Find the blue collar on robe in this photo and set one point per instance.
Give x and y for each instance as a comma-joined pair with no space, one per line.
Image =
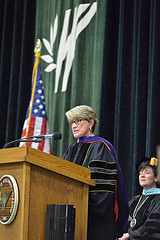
90,139
151,191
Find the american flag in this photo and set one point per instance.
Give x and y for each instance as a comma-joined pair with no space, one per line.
36,118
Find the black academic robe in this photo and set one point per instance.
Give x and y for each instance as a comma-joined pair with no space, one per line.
101,161
147,218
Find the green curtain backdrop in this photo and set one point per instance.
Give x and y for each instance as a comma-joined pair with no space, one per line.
72,36
104,53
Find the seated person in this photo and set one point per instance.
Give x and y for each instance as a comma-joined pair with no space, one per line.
144,217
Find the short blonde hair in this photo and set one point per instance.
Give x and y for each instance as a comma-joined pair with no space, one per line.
82,111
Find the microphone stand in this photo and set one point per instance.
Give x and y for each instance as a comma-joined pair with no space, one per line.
22,140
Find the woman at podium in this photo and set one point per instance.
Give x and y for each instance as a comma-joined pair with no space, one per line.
108,204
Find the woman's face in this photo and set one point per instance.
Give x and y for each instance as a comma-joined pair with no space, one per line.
147,178
81,127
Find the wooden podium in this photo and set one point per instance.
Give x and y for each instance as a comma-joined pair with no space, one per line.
43,179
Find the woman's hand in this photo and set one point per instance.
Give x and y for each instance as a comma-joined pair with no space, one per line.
124,237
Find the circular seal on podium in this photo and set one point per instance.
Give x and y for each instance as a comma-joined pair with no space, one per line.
9,198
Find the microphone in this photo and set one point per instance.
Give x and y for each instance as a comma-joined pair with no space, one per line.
36,139
54,136
20,140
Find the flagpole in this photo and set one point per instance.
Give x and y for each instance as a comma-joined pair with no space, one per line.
37,52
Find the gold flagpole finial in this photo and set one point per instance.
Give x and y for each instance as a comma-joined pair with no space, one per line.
38,46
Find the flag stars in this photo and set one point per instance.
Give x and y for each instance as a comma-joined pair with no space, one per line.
39,91
39,100
40,106
35,110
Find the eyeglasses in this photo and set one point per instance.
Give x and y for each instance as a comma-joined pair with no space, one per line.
78,121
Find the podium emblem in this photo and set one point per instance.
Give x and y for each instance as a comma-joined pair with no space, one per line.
9,198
